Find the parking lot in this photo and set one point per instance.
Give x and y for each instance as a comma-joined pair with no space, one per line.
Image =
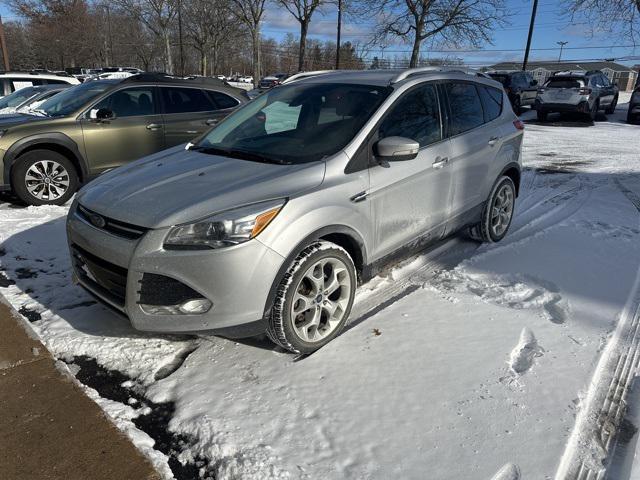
466,361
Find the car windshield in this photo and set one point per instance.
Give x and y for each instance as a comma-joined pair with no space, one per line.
295,124
503,79
73,98
18,97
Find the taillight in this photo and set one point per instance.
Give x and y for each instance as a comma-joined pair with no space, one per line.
519,124
584,91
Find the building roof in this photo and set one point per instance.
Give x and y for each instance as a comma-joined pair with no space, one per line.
564,66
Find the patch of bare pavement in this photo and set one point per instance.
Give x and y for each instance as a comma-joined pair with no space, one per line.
50,429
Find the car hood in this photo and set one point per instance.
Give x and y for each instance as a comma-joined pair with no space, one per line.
178,186
13,119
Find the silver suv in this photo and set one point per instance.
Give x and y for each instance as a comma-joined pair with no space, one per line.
577,92
269,221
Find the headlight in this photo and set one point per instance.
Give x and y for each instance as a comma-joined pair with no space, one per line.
226,228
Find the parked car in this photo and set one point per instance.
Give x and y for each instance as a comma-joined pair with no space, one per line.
271,81
633,115
101,124
267,222
12,81
521,88
26,100
577,92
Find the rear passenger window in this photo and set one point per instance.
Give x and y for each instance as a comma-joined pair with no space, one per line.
416,116
491,102
466,108
222,100
19,83
185,100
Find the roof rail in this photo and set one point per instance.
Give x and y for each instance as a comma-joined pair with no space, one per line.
302,75
160,77
410,72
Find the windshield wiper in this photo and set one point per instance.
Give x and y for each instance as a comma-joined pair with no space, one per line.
38,111
239,154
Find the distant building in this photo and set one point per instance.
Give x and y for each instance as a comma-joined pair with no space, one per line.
624,76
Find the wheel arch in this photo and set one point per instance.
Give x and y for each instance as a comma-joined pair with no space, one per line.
342,235
514,172
57,142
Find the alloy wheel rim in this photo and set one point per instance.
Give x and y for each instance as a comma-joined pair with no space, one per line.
320,300
47,180
502,210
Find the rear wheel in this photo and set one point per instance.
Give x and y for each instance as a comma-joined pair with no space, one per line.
612,108
631,119
517,105
44,177
314,298
498,212
593,113
542,115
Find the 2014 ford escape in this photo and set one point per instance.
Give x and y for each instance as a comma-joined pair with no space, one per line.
267,222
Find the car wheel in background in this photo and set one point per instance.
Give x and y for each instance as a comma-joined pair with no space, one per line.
542,115
612,108
44,177
593,113
497,213
517,105
314,299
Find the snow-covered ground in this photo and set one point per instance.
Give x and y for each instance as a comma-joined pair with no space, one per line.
476,361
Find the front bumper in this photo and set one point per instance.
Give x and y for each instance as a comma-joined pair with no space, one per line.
236,280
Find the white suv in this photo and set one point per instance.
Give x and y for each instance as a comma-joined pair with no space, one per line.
12,81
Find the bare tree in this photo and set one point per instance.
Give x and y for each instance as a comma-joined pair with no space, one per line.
610,15
157,16
209,24
302,11
250,13
453,22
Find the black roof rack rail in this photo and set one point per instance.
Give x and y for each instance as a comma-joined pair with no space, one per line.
166,78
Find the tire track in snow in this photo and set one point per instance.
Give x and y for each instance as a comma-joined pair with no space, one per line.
588,452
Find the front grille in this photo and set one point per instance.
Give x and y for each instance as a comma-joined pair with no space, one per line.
116,227
105,278
160,290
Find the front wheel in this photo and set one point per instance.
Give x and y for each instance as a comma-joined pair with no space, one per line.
314,299
542,115
497,213
517,106
612,108
44,177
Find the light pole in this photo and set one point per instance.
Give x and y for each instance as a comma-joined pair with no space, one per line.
531,25
339,31
562,44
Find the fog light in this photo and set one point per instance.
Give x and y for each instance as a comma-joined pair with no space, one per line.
197,306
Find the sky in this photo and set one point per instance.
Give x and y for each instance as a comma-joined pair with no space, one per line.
508,42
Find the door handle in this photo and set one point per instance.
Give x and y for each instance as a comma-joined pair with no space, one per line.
440,162
359,197
154,126
211,121
492,141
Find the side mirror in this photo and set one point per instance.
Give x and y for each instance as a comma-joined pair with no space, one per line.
101,114
394,149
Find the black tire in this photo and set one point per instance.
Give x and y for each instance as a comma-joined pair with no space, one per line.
280,329
30,159
517,105
483,231
593,113
611,109
631,119
542,115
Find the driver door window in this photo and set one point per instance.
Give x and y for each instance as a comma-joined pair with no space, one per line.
131,102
